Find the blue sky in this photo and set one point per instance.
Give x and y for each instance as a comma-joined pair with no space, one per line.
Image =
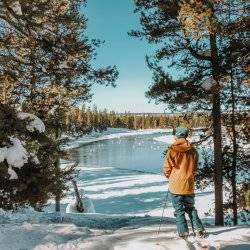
110,20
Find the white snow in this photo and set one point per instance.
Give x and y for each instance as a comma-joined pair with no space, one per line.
15,155
138,234
35,123
3,153
112,133
130,193
124,187
169,139
12,173
87,204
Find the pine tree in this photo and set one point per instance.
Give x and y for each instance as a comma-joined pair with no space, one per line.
235,101
28,175
47,57
194,39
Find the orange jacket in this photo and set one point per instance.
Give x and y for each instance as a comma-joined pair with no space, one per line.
180,165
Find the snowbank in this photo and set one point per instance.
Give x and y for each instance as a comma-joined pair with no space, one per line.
112,133
195,137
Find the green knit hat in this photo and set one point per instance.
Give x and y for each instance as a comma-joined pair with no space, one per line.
181,132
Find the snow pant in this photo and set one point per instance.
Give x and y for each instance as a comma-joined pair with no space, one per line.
185,204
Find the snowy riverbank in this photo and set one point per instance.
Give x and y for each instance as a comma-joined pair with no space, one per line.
111,133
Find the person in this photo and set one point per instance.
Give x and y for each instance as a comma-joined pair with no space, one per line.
180,165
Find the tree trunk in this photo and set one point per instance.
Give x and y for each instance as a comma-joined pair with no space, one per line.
216,117
79,204
57,204
218,179
235,149
234,191
58,196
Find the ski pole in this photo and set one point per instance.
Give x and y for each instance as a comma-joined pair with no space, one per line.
166,199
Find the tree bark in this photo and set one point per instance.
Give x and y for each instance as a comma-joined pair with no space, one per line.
58,196
217,138
218,179
235,148
57,204
79,204
234,161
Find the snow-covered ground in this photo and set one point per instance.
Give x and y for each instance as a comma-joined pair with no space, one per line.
132,193
130,234
129,207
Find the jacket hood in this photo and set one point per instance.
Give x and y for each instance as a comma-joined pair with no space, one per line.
182,145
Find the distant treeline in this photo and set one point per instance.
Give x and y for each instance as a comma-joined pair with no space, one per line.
99,120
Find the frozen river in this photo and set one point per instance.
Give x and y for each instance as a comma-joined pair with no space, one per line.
140,152
123,175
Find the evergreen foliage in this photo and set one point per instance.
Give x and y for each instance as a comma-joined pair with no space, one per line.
38,179
78,119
